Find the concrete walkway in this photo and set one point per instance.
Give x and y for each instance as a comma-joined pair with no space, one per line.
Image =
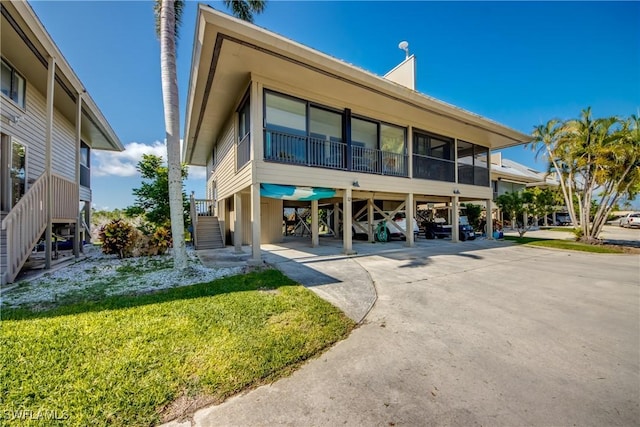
473,333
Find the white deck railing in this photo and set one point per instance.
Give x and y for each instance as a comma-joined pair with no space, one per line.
28,218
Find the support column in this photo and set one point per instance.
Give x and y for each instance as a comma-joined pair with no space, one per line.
237,225
315,230
336,220
455,220
51,74
76,233
347,214
256,226
409,210
370,220
87,218
489,230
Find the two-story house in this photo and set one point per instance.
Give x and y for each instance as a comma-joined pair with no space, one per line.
48,127
273,120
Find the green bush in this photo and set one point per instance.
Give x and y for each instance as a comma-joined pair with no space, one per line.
118,237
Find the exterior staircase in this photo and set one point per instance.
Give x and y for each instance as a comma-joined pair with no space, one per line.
208,234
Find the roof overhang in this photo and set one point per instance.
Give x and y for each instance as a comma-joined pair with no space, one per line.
28,46
227,52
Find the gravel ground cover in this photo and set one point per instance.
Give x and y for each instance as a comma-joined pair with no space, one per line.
99,275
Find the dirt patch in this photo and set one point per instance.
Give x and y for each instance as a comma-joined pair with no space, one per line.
184,407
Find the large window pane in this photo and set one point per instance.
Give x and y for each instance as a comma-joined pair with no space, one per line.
465,153
5,80
18,87
420,144
480,156
244,120
392,139
18,172
325,124
364,133
441,148
286,114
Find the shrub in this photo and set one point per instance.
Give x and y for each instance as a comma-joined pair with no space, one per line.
118,237
162,240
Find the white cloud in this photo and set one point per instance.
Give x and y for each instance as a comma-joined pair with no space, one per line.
124,163
197,172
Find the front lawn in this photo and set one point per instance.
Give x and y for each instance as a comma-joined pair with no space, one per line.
565,244
140,360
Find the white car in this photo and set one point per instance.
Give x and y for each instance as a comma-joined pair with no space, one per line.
630,220
399,218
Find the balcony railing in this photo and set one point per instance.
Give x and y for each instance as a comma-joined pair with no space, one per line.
244,151
317,152
427,167
473,175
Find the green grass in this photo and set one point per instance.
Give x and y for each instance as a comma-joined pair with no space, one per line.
124,360
565,244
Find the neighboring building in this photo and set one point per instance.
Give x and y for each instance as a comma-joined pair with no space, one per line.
508,176
274,122
48,126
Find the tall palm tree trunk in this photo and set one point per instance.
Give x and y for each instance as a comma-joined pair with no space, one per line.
172,128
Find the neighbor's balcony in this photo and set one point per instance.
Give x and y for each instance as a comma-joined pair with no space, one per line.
331,154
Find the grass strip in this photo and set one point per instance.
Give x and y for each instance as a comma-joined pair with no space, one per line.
141,360
564,244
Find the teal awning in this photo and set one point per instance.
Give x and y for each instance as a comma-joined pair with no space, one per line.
292,192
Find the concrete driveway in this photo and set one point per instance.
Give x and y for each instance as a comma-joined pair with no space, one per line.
473,333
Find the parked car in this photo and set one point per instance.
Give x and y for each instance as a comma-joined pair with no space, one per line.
630,220
438,228
399,218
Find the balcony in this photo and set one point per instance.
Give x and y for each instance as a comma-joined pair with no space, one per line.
331,154
427,167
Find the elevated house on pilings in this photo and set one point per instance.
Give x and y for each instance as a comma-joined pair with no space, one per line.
48,127
277,124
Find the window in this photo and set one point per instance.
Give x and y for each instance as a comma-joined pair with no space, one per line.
364,133
243,153
324,124
285,114
18,171
85,165
392,139
436,146
433,157
472,164
12,84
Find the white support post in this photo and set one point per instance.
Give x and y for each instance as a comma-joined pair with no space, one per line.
410,151
347,244
315,229
370,220
455,220
256,233
237,226
489,230
76,233
336,220
409,211
51,74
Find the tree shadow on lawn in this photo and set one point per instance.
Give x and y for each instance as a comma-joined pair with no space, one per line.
267,280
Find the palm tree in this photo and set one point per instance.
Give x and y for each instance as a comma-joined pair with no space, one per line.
168,17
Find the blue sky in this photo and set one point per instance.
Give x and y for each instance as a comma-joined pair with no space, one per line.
519,63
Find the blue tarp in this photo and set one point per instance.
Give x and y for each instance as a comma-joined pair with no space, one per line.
291,192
